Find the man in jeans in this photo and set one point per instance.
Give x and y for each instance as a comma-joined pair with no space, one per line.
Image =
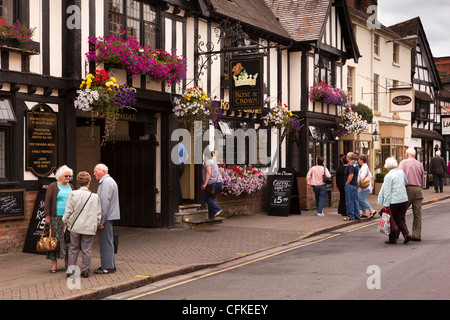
351,188
415,174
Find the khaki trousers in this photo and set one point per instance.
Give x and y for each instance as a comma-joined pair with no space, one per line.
415,198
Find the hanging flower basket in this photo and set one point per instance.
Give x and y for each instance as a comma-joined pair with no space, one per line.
328,94
239,180
196,105
351,123
282,118
100,95
129,55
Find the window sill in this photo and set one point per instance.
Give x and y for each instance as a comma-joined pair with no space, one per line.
396,64
13,45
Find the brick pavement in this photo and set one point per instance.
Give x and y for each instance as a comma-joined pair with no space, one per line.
148,255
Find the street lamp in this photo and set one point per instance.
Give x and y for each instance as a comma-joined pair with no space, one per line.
376,134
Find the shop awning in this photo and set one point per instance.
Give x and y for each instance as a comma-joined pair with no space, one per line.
422,95
426,134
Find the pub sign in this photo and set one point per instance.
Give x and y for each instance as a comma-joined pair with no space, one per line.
41,140
246,83
445,125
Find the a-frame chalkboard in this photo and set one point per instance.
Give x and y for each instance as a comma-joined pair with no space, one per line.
283,193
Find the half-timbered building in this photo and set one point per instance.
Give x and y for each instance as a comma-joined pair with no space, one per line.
426,82
323,42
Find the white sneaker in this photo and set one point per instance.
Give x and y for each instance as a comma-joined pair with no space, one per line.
321,214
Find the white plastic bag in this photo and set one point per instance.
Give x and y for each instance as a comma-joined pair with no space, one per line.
384,226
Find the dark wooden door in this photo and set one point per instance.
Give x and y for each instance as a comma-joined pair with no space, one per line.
133,165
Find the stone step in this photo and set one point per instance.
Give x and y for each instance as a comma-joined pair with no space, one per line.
193,218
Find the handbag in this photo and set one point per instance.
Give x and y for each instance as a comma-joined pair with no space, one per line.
325,179
47,244
364,183
67,231
387,223
209,190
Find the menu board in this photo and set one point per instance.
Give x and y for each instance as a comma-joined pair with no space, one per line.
37,220
283,193
41,140
11,203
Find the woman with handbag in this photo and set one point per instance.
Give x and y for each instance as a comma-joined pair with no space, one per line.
213,183
55,205
393,195
82,218
317,178
365,188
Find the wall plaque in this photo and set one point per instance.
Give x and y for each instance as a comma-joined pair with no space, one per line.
41,140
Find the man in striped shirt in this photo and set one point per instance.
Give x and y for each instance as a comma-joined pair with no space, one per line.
415,174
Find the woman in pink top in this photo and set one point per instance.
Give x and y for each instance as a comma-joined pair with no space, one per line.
314,178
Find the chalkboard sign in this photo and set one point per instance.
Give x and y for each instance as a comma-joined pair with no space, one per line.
37,220
11,203
283,193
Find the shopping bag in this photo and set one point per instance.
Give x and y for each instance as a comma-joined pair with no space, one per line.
384,226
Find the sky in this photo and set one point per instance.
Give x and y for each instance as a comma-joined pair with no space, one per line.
434,14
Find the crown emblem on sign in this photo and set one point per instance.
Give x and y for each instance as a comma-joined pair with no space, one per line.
245,80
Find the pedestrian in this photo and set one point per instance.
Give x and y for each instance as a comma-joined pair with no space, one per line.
415,173
82,218
351,188
448,169
55,205
438,169
182,158
212,180
314,178
363,192
108,193
340,183
393,195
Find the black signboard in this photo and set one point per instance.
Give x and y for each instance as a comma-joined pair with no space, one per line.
283,193
41,143
246,83
11,203
37,220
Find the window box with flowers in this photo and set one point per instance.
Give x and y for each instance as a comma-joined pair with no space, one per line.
129,55
283,119
18,38
196,105
240,180
100,95
328,94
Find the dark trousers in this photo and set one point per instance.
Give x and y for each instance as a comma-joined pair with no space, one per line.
180,174
398,211
342,209
438,182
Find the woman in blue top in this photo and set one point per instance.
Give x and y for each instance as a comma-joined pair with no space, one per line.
393,194
55,206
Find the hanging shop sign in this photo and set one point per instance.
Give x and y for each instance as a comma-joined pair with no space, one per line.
445,125
41,140
246,83
402,100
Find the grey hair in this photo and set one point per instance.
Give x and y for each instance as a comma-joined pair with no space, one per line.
351,155
391,163
62,170
103,167
411,151
438,153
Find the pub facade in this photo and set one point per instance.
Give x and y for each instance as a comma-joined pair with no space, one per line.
41,130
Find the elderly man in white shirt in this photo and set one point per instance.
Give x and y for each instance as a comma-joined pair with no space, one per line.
108,192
